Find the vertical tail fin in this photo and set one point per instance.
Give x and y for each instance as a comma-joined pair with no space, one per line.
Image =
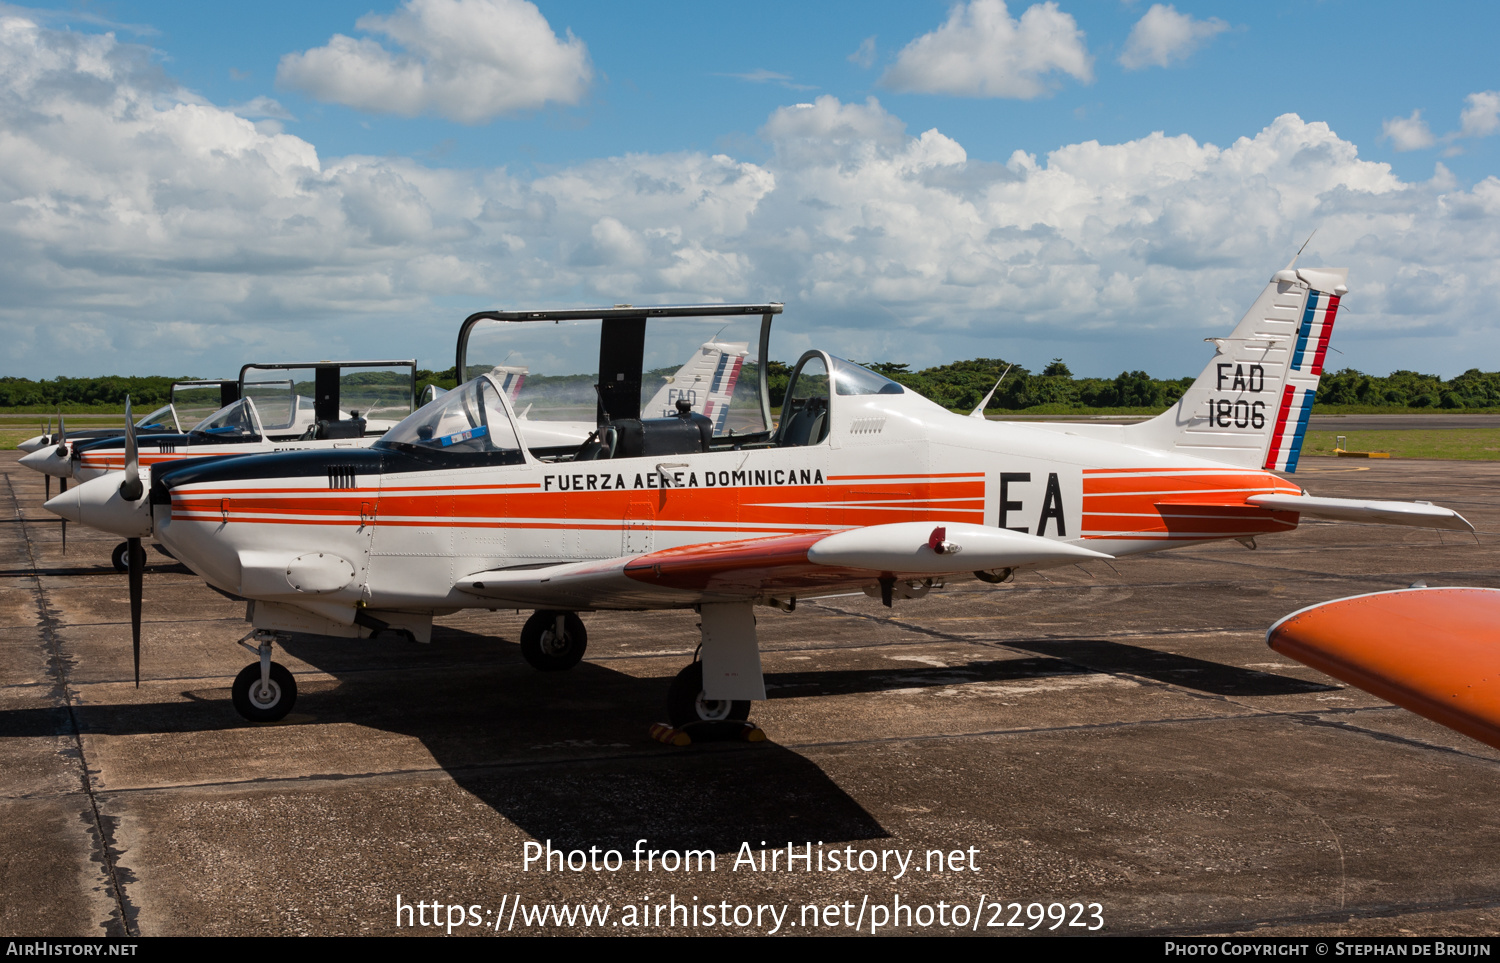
511,379
706,382
1251,404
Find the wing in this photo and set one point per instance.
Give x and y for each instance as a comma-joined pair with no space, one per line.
1429,650
783,565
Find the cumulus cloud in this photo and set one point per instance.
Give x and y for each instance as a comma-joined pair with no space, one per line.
162,233
263,107
1407,133
761,75
982,52
1481,117
467,60
1163,35
864,54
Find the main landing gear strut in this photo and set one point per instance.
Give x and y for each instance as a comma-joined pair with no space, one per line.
264,691
728,665
554,641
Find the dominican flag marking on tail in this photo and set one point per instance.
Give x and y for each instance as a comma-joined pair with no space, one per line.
721,391
1301,389
1317,328
511,379
727,375
1291,423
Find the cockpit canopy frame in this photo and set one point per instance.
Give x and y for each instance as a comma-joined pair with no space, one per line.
328,398
622,341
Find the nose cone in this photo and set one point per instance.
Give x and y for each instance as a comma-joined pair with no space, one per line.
34,442
97,503
47,461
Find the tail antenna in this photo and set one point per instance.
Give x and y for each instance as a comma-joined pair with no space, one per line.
1293,263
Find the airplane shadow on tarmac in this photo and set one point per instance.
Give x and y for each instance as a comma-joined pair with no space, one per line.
565,757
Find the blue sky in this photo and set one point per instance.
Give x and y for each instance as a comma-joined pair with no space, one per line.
669,76
968,179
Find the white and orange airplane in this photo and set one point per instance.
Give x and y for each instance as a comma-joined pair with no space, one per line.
860,484
284,420
182,396
281,419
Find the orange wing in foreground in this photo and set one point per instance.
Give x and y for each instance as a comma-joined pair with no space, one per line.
1434,651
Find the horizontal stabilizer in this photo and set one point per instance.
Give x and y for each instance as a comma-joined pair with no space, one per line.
1430,650
1417,514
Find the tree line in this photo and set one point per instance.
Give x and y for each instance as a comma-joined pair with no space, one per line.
959,385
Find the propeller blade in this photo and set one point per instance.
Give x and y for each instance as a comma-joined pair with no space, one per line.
62,483
131,487
47,487
137,556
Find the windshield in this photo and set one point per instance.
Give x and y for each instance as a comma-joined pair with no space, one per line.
195,401
238,421
852,379
470,418
277,403
164,418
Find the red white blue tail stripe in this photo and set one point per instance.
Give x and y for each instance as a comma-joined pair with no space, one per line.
514,379
721,391
1301,389
1316,329
1291,424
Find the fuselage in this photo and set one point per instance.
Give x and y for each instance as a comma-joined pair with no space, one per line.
409,527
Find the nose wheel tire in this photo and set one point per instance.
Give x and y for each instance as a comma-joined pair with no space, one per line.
268,704
549,650
686,704
120,557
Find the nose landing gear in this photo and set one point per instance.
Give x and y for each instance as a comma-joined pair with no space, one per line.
264,691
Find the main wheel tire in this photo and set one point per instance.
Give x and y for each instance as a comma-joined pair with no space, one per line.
544,650
120,557
257,707
686,704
